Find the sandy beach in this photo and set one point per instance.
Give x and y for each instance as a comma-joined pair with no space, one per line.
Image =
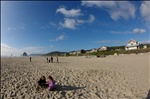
113,77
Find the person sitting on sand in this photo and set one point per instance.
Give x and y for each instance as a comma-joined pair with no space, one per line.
51,84
42,82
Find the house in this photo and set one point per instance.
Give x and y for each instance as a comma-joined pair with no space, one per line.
72,52
145,46
78,52
88,51
132,44
91,50
103,48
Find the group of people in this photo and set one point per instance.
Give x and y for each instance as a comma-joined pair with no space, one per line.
50,84
50,59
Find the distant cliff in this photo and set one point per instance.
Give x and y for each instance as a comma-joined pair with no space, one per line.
55,53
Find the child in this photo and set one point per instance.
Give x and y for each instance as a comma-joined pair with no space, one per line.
42,82
51,84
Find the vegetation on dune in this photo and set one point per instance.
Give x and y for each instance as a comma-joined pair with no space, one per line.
110,51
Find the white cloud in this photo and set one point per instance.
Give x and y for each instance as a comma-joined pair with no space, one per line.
145,42
121,32
14,29
52,24
59,38
69,13
72,23
116,9
137,30
91,19
110,41
71,19
11,29
145,12
68,23
99,3
7,50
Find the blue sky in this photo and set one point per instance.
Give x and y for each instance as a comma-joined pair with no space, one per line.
45,26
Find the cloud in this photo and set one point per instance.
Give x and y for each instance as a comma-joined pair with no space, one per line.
144,10
72,23
99,3
59,38
14,29
69,13
91,19
137,30
52,24
145,42
11,29
116,9
68,23
72,19
110,41
121,32
7,50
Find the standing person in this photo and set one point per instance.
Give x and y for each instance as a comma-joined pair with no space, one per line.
47,59
51,83
51,59
30,59
57,59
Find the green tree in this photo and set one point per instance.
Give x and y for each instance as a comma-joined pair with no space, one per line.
83,51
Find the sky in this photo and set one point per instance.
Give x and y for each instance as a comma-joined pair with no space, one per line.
39,27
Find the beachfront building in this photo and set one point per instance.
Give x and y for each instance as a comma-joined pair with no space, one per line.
72,52
145,46
78,52
103,48
132,44
91,51
88,51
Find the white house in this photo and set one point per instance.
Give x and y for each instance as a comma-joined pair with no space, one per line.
73,52
93,50
103,48
131,45
88,51
78,52
145,46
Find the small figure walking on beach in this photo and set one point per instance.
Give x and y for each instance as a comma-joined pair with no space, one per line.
51,59
30,59
57,59
47,59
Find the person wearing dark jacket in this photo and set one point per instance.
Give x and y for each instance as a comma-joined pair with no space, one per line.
42,82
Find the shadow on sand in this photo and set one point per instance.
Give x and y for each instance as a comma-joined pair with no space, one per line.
67,88
148,95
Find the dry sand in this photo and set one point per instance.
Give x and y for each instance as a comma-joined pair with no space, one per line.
113,77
